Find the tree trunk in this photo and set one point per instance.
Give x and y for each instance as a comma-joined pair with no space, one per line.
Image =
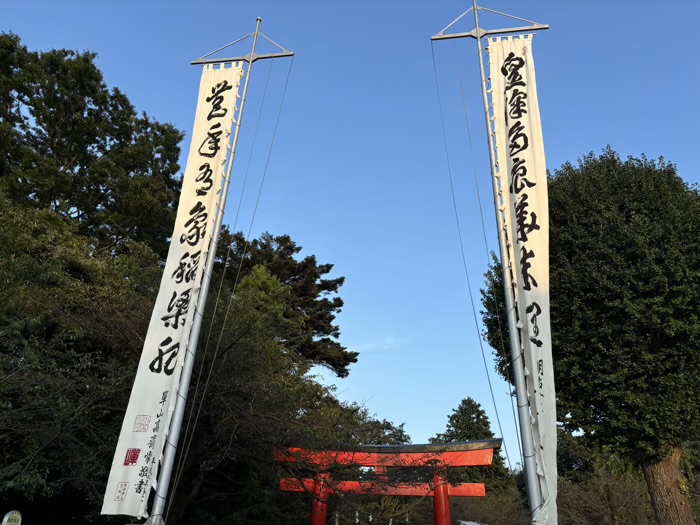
613,508
668,491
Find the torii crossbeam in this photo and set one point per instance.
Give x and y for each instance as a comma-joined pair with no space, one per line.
438,456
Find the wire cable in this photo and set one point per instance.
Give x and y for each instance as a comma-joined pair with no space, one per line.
216,350
486,242
461,245
197,393
187,440
255,210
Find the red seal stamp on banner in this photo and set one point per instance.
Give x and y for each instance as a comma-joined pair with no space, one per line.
132,457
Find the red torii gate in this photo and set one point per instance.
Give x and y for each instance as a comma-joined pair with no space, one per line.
439,456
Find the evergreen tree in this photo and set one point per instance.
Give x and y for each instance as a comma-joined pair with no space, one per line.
469,422
313,302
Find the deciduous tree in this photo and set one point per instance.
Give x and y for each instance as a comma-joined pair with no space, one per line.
71,330
625,289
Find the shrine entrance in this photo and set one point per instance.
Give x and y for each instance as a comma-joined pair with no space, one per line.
438,457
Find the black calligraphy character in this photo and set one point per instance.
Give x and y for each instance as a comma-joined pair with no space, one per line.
204,177
197,225
138,488
163,398
148,457
518,176
152,441
212,143
511,70
143,472
523,227
525,265
517,104
160,363
187,268
217,99
534,307
177,309
517,140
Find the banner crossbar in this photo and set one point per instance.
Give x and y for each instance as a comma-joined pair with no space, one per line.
480,33
251,57
248,58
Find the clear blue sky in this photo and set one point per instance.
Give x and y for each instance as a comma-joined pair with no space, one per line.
358,174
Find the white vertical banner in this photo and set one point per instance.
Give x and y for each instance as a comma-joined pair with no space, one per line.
521,160
147,419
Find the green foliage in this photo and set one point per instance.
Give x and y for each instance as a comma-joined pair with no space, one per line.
70,332
494,318
261,397
313,304
469,422
72,322
624,288
87,200
625,258
70,145
625,285
502,507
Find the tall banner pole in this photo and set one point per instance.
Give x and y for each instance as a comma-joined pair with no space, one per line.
508,214
152,402
179,412
153,417
501,205
520,152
